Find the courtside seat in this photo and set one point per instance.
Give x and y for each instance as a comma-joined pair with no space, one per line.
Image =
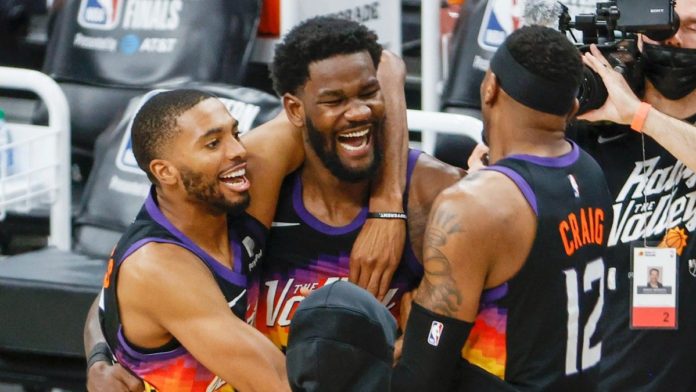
49,291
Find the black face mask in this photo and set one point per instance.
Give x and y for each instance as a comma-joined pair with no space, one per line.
671,70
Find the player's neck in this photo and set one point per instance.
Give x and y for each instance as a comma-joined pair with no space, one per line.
681,108
529,135
207,230
331,200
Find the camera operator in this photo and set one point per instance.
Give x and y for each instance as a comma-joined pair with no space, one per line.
648,154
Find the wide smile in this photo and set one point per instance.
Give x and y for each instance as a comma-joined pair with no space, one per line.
235,178
356,142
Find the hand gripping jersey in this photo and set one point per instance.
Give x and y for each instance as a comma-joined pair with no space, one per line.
304,252
538,330
656,196
171,367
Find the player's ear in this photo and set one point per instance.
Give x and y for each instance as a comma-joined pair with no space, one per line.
164,171
490,88
294,110
574,110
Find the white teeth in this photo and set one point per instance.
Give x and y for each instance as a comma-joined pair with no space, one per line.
354,148
357,133
236,173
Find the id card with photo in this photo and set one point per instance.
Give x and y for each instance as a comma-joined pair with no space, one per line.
654,288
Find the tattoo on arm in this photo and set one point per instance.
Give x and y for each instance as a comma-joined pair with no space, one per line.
438,290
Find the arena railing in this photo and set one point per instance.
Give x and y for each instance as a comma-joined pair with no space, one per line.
431,123
41,156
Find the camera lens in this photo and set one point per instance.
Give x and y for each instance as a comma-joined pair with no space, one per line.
592,93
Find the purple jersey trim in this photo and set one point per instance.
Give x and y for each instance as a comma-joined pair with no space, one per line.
521,184
562,161
316,224
494,294
226,273
137,245
159,356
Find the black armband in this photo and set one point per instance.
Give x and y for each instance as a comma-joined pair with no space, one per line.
387,215
431,353
100,353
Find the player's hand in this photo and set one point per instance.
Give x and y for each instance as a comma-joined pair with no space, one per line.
376,254
621,103
102,377
478,158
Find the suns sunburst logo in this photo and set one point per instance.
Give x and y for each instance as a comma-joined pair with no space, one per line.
675,238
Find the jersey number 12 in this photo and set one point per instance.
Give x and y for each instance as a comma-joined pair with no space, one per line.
590,354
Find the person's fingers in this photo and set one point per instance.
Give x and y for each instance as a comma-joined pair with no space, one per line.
384,283
367,280
353,270
598,55
132,383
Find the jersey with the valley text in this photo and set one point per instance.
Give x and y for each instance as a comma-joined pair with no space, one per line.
304,252
171,367
538,330
654,196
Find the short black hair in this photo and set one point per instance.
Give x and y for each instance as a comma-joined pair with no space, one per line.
155,123
314,40
546,53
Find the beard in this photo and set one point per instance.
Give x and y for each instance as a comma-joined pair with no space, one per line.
208,193
325,148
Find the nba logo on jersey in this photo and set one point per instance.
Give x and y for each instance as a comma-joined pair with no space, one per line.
500,19
435,333
99,14
125,159
574,185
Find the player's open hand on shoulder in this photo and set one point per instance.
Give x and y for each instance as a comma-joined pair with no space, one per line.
376,254
102,377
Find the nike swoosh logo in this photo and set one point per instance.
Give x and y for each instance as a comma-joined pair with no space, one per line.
234,301
284,224
602,139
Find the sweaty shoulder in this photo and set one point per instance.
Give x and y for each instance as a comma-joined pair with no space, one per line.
496,216
159,262
430,177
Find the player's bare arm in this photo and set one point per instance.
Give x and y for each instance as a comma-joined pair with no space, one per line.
101,375
197,315
372,264
274,150
430,177
479,234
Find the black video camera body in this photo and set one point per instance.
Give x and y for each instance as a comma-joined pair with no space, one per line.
653,18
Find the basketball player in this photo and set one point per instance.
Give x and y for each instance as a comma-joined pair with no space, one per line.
325,70
174,300
516,277
269,147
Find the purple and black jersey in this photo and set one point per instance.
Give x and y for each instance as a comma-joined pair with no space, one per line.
305,252
171,367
